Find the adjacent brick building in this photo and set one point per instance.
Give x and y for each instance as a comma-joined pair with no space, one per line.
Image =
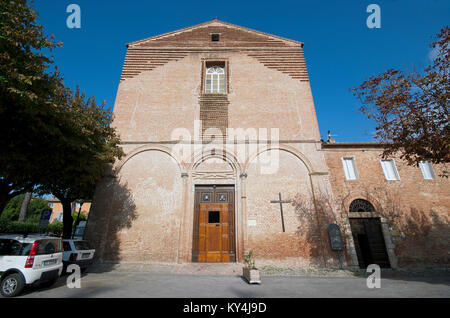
57,209
413,206
218,123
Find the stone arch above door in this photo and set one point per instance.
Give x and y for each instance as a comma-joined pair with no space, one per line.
361,205
214,166
360,195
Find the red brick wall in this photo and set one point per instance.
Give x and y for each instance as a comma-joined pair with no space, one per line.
417,210
144,213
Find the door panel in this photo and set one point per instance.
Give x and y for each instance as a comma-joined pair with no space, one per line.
213,233
213,238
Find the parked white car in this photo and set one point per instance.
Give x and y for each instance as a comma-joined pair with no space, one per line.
25,260
78,252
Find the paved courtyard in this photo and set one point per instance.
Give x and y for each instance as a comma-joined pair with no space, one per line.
185,283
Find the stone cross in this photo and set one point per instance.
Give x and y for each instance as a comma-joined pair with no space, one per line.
281,208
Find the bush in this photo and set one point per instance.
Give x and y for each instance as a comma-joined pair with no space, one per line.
55,228
14,227
82,217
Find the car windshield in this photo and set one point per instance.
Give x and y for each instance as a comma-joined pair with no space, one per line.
14,248
82,245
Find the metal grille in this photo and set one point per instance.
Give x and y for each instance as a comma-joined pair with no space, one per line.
361,205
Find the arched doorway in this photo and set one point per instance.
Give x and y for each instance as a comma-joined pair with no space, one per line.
367,235
214,220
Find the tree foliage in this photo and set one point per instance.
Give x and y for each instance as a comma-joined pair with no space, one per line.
29,120
411,109
79,163
81,217
53,140
34,211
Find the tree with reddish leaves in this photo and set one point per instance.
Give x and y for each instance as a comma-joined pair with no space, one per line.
411,109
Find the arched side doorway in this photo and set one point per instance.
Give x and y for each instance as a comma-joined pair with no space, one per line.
367,234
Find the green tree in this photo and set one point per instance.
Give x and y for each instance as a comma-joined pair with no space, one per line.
80,162
411,109
82,217
29,112
34,211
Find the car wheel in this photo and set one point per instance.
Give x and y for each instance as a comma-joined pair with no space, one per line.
12,285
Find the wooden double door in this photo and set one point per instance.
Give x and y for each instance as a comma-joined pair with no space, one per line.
214,225
369,242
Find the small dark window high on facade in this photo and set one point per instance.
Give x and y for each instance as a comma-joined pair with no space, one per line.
215,37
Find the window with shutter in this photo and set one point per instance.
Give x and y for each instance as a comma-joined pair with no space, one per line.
390,170
427,170
350,168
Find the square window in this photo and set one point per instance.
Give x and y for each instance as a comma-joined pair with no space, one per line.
350,168
213,217
390,169
427,170
215,37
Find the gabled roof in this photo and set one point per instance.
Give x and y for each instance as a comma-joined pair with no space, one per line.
215,23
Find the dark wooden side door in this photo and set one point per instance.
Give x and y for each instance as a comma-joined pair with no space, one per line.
369,242
213,239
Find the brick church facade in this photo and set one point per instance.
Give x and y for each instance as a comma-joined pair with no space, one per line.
218,125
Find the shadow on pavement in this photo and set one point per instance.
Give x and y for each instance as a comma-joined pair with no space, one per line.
39,287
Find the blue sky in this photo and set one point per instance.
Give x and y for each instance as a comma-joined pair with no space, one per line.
340,50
